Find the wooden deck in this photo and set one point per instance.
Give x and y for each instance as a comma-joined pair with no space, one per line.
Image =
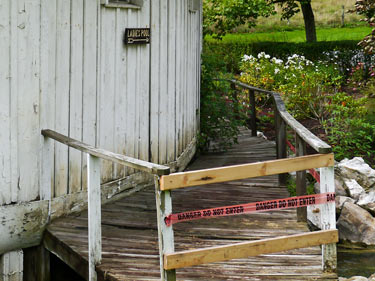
130,246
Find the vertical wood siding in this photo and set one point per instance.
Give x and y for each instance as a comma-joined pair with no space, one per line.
174,78
64,67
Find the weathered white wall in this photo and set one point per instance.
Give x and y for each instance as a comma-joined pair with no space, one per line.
63,66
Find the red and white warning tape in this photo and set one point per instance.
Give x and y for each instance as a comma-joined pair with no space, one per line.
263,206
314,173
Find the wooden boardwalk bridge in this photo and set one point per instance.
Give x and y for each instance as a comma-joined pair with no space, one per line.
133,239
130,236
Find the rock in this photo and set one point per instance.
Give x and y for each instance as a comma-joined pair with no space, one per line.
339,188
317,188
357,169
367,201
372,277
340,201
357,278
356,225
355,190
314,217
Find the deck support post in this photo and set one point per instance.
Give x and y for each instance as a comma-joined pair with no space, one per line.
328,219
165,233
36,264
301,179
280,126
253,120
94,214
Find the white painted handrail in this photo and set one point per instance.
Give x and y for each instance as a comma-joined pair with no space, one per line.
94,156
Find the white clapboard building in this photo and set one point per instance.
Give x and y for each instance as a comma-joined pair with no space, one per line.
69,66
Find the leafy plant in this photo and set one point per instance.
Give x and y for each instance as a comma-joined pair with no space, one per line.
221,114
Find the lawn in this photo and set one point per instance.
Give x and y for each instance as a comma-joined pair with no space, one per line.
297,36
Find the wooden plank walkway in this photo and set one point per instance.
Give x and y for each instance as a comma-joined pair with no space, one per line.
130,246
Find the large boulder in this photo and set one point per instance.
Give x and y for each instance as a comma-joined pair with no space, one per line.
355,190
367,201
340,201
356,225
357,169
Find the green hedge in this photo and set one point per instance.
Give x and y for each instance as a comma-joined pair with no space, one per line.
231,53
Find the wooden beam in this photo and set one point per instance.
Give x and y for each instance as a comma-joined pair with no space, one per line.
248,249
301,188
22,225
36,264
328,218
108,155
163,201
237,172
94,214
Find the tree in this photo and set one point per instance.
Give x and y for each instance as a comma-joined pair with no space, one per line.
290,8
221,16
367,8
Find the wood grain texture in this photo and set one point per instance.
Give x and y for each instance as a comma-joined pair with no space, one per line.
62,76
75,93
328,218
94,214
107,155
185,179
163,201
248,249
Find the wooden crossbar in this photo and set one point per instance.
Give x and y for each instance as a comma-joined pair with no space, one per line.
237,172
108,155
248,249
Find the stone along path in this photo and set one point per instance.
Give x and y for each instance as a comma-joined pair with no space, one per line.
130,246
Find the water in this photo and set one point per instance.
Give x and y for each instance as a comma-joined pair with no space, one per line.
355,262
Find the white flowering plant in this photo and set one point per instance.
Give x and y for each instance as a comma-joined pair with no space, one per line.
305,85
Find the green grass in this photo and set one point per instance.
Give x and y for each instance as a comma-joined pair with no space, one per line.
298,36
327,13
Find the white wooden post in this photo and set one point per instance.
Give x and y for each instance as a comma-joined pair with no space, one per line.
94,214
328,218
46,171
165,233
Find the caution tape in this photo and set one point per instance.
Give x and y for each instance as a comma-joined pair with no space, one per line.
263,206
314,173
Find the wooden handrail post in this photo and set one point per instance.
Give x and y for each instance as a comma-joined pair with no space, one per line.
328,219
280,126
301,179
253,121
47,171
94,214
165,233
235,98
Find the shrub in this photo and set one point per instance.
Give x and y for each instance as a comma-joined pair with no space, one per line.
231,53
303,84
221,115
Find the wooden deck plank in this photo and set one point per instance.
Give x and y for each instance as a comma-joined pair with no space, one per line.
130,245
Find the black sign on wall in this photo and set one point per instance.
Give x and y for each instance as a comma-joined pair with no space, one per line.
135,36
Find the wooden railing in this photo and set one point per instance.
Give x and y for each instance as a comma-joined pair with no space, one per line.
94,156
165,182
327,237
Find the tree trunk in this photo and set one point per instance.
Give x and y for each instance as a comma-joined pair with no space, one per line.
308,17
